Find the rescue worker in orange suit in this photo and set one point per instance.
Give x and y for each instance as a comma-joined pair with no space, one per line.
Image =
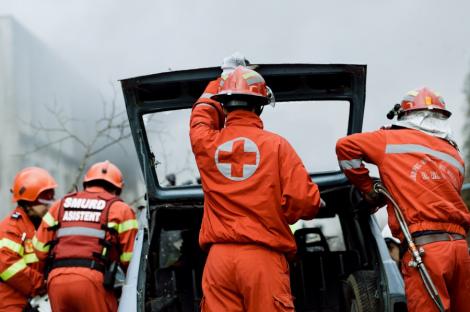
81,236
20,271
421,167
254,186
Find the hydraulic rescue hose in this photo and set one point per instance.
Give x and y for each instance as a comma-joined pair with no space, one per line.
415,252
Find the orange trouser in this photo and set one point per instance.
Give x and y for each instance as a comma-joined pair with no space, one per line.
248,278
79,290
448,264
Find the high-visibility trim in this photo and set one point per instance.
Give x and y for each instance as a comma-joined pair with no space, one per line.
13,246
13,269
30,258
114,226
128,225
415,148
125,226
42,247
206,95
49,219
81,231
350,164
409,98
126,256
413,93
253,80
249,75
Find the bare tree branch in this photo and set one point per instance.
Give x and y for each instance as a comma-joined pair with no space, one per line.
112,128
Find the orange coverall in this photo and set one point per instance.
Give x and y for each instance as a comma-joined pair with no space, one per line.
424,174
19,267
79,288
254,186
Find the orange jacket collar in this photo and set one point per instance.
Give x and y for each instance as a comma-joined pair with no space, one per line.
22,212
95,189
243,118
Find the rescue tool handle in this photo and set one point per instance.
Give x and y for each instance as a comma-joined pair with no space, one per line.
416,254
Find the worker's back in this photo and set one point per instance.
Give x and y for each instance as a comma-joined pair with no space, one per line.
422,172
249,177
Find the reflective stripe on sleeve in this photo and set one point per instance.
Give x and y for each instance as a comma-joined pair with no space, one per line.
128,225
125,226
49,219
350,164
206,95
81,231
13,246
13,269
126,256
30,258
39,245
415,148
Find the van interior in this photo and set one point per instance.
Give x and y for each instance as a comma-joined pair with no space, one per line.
332,268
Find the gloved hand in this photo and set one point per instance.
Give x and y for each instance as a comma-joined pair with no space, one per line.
40,303
231,62
375,200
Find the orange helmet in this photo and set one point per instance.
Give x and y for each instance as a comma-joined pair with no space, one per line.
423,99
243,84
105,171
30,182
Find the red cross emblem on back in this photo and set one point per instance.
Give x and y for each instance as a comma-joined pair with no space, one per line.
237,159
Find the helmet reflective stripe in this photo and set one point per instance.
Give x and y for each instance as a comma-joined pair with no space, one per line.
253,80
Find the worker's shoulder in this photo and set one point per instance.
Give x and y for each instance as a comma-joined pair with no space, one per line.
274,137
120,205
13,223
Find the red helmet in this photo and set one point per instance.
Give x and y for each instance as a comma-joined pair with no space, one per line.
422,99
30,182
105,171
243,84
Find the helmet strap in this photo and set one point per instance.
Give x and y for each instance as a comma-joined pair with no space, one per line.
259,109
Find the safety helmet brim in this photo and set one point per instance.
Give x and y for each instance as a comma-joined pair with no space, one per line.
444,112
250,99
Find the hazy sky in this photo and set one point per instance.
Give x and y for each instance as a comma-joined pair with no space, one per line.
406,44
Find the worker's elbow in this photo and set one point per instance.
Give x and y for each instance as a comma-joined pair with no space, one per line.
340,145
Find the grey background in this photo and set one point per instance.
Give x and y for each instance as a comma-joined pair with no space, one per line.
406,44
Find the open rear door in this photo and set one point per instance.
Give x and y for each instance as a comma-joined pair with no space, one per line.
179,90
